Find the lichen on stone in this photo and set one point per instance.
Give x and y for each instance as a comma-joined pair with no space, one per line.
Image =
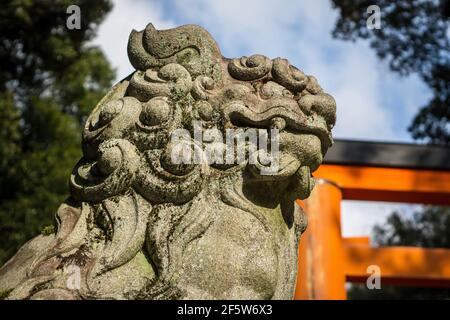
48,230
5,293
138,225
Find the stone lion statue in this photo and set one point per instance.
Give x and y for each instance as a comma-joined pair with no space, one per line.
137,225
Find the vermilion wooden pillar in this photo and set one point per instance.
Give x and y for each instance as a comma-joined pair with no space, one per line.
321,272
370,171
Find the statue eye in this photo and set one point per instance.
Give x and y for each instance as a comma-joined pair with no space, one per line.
109,111
155,112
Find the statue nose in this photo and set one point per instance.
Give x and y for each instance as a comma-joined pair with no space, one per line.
321,104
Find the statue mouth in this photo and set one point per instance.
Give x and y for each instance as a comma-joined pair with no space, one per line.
303,140
292,179
281,114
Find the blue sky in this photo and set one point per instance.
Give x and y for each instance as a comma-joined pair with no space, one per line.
373,103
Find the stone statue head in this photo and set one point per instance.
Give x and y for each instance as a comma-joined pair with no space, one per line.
187,185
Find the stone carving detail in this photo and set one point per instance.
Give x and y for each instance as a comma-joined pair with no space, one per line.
139,226
252,68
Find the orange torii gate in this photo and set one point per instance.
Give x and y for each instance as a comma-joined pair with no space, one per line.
356,170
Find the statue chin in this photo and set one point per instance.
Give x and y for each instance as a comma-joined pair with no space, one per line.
140,225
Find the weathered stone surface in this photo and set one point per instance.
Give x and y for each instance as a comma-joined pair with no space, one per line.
138,226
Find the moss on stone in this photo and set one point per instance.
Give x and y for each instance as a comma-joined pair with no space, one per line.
48,230
4,294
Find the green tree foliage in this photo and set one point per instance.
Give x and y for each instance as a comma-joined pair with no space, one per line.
428,228
50,78
414,38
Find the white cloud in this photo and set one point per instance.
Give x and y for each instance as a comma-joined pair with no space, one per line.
360,111
359,217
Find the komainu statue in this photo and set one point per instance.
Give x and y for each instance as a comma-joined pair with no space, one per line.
143,222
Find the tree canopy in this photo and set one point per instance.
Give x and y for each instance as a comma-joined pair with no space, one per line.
50,78
415,39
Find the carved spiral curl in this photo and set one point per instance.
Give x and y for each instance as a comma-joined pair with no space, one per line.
113,119
160,181
251,68
201,86
289,76
110,175
171,80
